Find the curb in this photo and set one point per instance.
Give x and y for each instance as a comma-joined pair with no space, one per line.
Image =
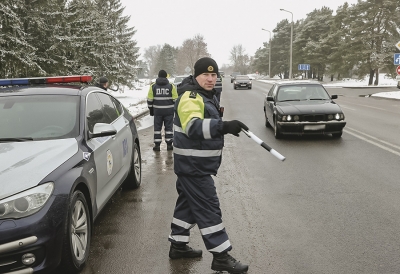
140,115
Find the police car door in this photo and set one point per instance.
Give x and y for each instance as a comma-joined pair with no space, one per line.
119,145
104,148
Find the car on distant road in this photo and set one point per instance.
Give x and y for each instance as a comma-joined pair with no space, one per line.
302,108
65,149
222,73
242,81
178,79
233,76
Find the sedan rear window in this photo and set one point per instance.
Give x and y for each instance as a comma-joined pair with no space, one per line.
39,117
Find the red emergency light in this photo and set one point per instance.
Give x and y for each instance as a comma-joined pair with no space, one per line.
46,80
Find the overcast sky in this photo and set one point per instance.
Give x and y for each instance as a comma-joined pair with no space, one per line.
222,23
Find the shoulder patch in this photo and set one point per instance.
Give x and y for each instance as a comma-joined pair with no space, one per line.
193,94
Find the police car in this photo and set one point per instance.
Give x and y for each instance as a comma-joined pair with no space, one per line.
64,150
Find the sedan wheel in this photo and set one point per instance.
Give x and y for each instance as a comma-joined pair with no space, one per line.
267,124
135,173
277,133
78,234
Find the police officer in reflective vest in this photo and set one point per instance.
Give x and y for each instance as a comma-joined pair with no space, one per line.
198,141
218,87
160,100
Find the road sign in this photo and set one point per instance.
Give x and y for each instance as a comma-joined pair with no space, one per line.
187,70
304,67
398,70
397,58
398,45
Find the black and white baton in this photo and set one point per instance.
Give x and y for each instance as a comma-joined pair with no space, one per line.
264,145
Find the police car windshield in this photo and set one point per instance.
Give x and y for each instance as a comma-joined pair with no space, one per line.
38,117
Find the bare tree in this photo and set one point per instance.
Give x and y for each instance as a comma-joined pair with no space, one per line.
191,51
151,55
240,60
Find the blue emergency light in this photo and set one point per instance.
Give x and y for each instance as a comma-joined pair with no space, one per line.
46,80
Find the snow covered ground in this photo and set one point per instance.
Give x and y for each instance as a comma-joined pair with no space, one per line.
135,100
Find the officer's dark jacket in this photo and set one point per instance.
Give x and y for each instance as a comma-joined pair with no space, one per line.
198,138
161,97
101,86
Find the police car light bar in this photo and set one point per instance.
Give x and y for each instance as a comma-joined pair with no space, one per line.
46,80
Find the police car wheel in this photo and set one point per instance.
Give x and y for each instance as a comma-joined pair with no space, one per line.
134,178
77,236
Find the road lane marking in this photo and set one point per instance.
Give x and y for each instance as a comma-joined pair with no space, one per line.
373,142
346,107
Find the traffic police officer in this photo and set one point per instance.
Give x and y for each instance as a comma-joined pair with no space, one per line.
160,101
218,87
198,141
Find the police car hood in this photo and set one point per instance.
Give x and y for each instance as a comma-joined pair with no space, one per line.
24,164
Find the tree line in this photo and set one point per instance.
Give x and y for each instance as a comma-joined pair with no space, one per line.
358,40
67,37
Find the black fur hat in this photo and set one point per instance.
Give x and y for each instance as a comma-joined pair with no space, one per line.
205,65
103,80
162,74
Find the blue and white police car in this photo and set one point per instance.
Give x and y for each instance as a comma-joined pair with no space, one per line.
64,150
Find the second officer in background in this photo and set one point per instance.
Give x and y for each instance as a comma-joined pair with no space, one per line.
160,100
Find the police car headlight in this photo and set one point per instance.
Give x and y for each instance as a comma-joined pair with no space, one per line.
25,203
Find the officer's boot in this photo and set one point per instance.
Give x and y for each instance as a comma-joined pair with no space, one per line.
183,251
156,147
169,146
225,262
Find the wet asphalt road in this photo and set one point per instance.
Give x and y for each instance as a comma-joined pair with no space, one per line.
332,207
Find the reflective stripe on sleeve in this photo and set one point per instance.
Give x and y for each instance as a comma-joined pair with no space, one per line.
221,247
212,229
189,125
181,223
179,129
207,128
197,153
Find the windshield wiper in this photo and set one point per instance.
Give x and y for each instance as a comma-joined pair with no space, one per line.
21,139
318,99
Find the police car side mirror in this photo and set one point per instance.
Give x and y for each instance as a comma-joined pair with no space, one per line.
333,96
102,130
270,98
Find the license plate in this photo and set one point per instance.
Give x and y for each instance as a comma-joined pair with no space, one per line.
314,127
243,85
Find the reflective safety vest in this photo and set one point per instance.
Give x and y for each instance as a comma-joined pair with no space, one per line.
198,138
161,97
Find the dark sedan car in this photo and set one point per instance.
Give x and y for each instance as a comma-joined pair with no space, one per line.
242,81
64,150
302,108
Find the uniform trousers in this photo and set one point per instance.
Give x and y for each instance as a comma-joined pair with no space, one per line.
168,122
198,203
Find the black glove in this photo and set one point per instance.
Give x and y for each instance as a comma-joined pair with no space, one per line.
233,127
151,111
